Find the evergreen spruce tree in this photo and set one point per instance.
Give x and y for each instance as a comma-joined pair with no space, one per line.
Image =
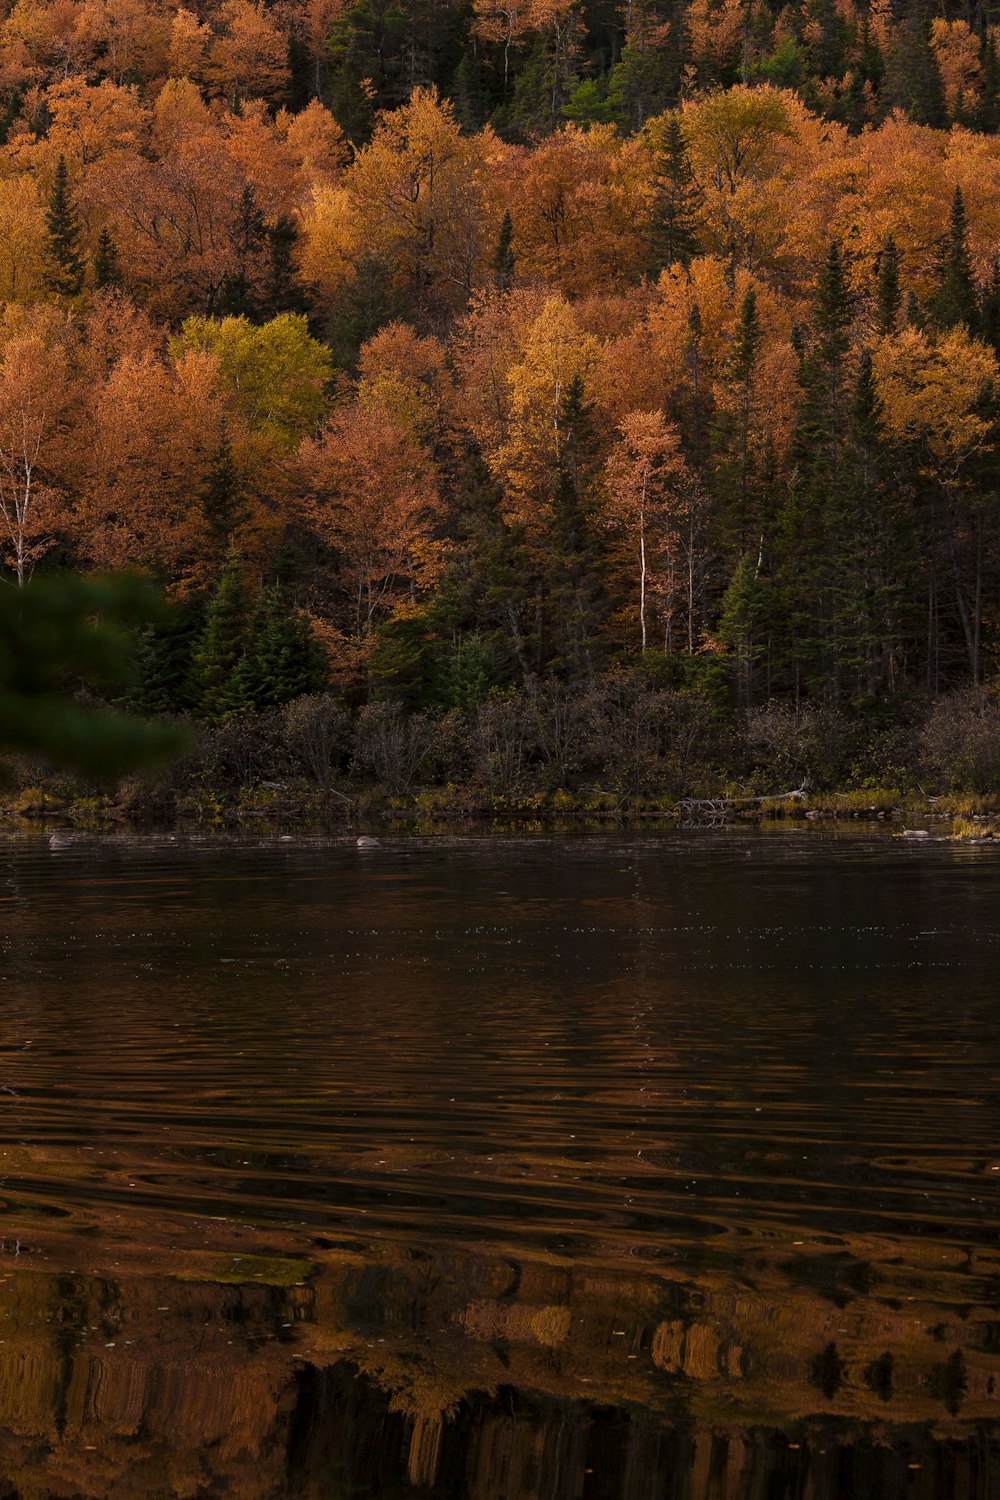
163,661
366,44
642,82
739,621
249,233
282,292
953,303
504,260
732,456
467,91
66,267
572,561
871,68
812,521
912,80
221,644
888,295
833,310
280,661
853,561
107,271
913,313
988,119
9,114
694,404
676,210
989,309
223,499
746,347
877,561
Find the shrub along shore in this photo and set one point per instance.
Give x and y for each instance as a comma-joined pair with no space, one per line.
622,750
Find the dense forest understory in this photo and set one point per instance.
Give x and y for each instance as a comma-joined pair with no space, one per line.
543,399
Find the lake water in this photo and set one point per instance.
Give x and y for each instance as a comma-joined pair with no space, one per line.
654,1167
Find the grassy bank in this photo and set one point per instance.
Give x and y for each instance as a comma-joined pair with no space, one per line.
297,804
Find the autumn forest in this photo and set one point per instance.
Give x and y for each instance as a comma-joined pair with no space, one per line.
439,358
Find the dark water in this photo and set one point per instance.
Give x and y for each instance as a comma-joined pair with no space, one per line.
609,1168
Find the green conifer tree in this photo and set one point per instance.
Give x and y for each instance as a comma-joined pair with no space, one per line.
913,312
988,119
107,270
989,309
642,82
694,405
676,210
248,234
572,561
467,91
164,658
280,660
912,80
222,642
10,113
876,560
732,451
739,622
811,522
888,295
66,266
953,303
833,310
282,291
743,362
504,259
223,499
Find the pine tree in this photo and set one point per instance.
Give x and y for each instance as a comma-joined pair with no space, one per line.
248,233
223,498
282,292
812,522
221,643
694,405
989,97
467,92
66,267
571,563
163,661
912,80
9,114
739,621
280,660
676,207
833,309
504,260
643,81
989,309
733,428
954,300
107,270
876,558
888,295
913,314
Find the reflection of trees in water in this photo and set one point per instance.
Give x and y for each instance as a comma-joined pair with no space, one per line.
622,1208
362,1378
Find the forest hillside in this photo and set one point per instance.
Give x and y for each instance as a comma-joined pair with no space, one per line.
599,385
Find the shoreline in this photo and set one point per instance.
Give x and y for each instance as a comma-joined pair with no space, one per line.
357,809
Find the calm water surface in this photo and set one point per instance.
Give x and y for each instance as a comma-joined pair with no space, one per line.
662,1167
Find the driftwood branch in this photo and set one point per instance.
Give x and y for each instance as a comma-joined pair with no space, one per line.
717,806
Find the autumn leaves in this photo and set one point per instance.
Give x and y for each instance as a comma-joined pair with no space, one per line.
569,394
